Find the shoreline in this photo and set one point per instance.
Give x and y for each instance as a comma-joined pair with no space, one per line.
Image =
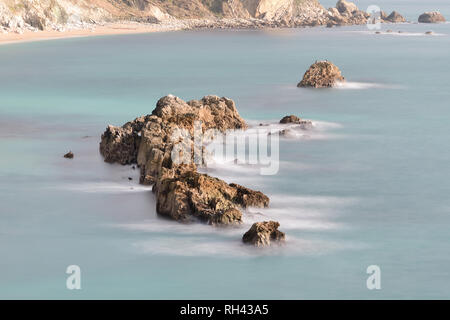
97,30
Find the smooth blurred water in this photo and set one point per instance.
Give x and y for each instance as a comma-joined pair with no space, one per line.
370,187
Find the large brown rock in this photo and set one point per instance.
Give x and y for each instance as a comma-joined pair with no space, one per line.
182,193
263,234
321,74
431,17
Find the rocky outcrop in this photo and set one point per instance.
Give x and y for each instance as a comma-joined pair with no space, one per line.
395,17
431,17
263,234
165,157
346,13
321,74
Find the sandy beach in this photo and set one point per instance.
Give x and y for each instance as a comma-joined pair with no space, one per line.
98,30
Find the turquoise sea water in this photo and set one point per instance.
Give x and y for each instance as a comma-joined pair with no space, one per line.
369,188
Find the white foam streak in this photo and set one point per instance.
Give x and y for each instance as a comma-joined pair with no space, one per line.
106,187
199,246
400,34
348,85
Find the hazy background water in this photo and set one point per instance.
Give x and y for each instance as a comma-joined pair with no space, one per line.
370,187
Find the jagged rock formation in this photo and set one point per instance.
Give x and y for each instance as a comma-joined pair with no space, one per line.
395,17
321,74
431,17
153,143
263,234
346,13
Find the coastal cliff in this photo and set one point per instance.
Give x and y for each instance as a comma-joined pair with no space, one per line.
33,15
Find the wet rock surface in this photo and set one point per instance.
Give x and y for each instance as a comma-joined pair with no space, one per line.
263,234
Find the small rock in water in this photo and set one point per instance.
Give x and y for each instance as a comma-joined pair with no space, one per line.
378,32
69,155
389,31
321,74
133,167
431,17
395,17
130,178
290,119
429,32
262,234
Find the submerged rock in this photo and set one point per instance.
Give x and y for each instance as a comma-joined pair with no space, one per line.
182,193
69,155
263,234
431,17
321,74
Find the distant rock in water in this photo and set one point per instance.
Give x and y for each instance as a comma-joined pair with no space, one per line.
290,119
346,13
263,234
321,74
182,193
69,155
431,17
395,17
